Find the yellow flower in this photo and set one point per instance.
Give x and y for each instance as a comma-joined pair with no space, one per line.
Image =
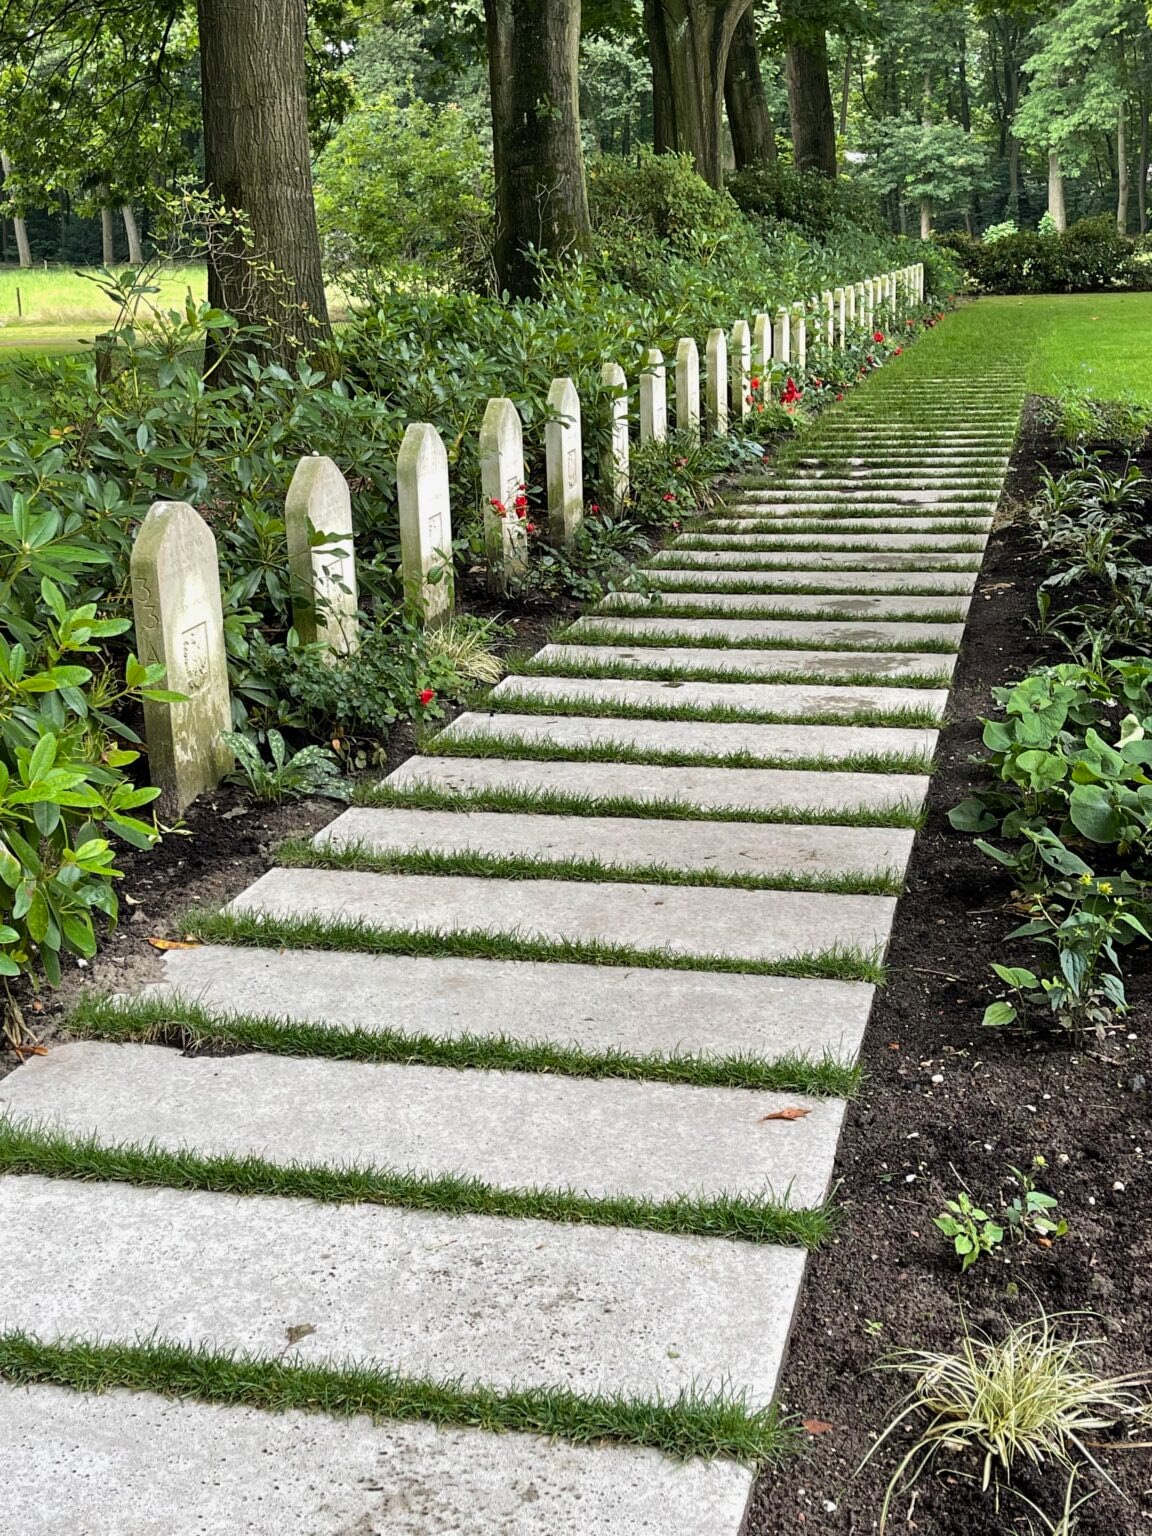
1085,879
1105,887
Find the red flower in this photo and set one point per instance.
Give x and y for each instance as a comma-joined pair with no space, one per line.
498,507
427,695
897,351
530,527
675,522
755,383
593,507
840,395
668,496
790,393
877,335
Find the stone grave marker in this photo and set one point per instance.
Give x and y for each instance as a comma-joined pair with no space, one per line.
799,338
653,398
840,297
614,473
716,393
783,349
324,597
502,487
688,386
176,603
762,346
829,317
425,523
740,369
563,452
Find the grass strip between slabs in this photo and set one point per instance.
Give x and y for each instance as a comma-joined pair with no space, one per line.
718,543
264,930
187,1025
600,669
48,1152
593,706
604,632
517,749
299,853
701,606
528,800
694,1424
675,558
850,524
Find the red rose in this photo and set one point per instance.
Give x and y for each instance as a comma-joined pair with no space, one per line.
427,695
877,335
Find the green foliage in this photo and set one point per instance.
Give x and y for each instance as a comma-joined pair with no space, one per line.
973,1232
313,770
779,194
1090,256
1081,420
658,200
407,186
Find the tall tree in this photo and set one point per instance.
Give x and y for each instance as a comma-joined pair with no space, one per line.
689,42
749,120
541,196
810,109
258,161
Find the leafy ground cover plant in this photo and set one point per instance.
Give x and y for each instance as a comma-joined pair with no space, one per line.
313,770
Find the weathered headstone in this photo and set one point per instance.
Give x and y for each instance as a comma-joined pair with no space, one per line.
614,460
563,452
425,523
740,369
175,579
762,343
653,398
841,299
783,349
856,304
829,317
799,338
688,387
716,393
502,487
323,575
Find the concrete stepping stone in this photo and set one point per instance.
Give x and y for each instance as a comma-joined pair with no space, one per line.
727,847
830,664
709,789
578,1007
677,920
704,738
796,564
123,1461
803,700
857,605
835,632
690,577
513,1130
809,543
503,1303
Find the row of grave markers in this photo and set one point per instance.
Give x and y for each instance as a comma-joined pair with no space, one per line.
175,570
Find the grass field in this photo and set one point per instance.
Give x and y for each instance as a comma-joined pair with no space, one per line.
1094,341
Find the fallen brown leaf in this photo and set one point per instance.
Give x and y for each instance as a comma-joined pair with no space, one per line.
174,943
30,1050
816,1426
298,1331
787,1114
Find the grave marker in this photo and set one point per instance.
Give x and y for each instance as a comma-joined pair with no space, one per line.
716,394
502,487
563,452
688,387
614,461
423,494
653,398
324,598
740,369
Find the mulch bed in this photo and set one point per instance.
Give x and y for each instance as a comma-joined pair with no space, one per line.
949,1105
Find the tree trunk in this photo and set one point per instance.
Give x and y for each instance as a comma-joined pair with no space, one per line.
810,100
107,235
1142,179
925,218
1056,192
541,197
1122,168
19,228
753,136
846,87
132,230
264,267
688,44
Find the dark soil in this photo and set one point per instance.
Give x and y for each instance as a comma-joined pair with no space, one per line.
949,1105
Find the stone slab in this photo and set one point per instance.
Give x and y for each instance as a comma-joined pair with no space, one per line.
594,1008
798,630
857,604
831,664
679,920
119,1464
506,1303
692,577
803,700
791,520
807,543
727,847
515,1130
708,788
701,737
823,559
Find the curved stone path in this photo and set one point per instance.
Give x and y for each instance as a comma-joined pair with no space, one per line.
778,696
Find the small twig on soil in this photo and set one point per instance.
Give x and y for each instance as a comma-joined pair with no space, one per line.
920,971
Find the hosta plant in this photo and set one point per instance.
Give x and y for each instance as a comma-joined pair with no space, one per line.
311,771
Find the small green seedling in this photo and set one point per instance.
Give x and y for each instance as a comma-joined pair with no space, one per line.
973,1231
1029,1213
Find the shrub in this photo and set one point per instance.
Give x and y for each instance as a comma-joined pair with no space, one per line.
781,195
658,199
1089,256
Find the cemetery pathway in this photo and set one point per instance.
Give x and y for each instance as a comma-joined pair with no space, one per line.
644,896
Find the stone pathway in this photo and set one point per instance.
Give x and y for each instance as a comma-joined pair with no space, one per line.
669,854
